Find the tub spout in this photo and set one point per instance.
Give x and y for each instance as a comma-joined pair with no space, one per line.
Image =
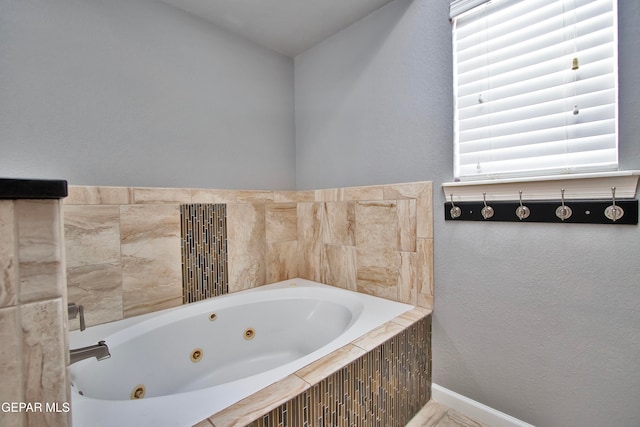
100,351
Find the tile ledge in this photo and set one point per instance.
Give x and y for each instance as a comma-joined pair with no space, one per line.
410,317
20,189
252,407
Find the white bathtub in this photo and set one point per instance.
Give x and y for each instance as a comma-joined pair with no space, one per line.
292,324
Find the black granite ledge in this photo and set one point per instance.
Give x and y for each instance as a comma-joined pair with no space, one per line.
32,189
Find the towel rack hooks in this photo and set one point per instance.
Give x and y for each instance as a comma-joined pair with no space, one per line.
597,211
522,212
614,212
455,211
563,211
487,211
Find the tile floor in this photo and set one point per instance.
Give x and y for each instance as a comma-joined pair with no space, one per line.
435,414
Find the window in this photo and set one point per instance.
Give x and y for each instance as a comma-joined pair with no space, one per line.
535,87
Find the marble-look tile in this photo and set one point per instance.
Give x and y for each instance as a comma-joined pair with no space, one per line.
294,196
423,193
377,272
378,336
161,195
339,223
201,195
92,234
327,236
90,195
327,195
39,247
311,249
10,365
246,245
407,280
341,266
38,230
424,225
250,408
98,288
8,254
44,359
410,317
372,192
425,266
456,419
425,301
429,415
327,365
41,280
282,261
407,190
406,211
151,258
435,414
254,196
281,222
376,224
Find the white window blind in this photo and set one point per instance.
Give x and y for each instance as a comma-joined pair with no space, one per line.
535,87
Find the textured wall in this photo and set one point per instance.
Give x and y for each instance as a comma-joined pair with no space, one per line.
90,90
536,320
372,102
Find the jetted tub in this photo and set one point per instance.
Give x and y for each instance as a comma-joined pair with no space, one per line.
178,366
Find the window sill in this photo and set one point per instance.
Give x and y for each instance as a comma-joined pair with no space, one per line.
580,186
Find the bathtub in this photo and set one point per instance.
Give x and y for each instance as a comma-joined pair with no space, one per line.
178,366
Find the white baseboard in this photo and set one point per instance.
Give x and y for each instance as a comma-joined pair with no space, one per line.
472,409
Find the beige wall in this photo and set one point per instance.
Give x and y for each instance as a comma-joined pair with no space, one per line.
33,349
124,257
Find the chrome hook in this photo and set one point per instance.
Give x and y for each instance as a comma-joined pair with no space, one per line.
563,211
613,212
522,212
487,211
455,211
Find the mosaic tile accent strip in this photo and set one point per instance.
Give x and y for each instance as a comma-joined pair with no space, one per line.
383,388
204,251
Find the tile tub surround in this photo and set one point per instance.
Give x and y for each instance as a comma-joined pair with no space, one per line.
124,255
380,379
33,353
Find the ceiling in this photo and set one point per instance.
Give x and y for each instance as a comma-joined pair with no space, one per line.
286,26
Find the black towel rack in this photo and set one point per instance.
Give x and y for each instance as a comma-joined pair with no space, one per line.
613,211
